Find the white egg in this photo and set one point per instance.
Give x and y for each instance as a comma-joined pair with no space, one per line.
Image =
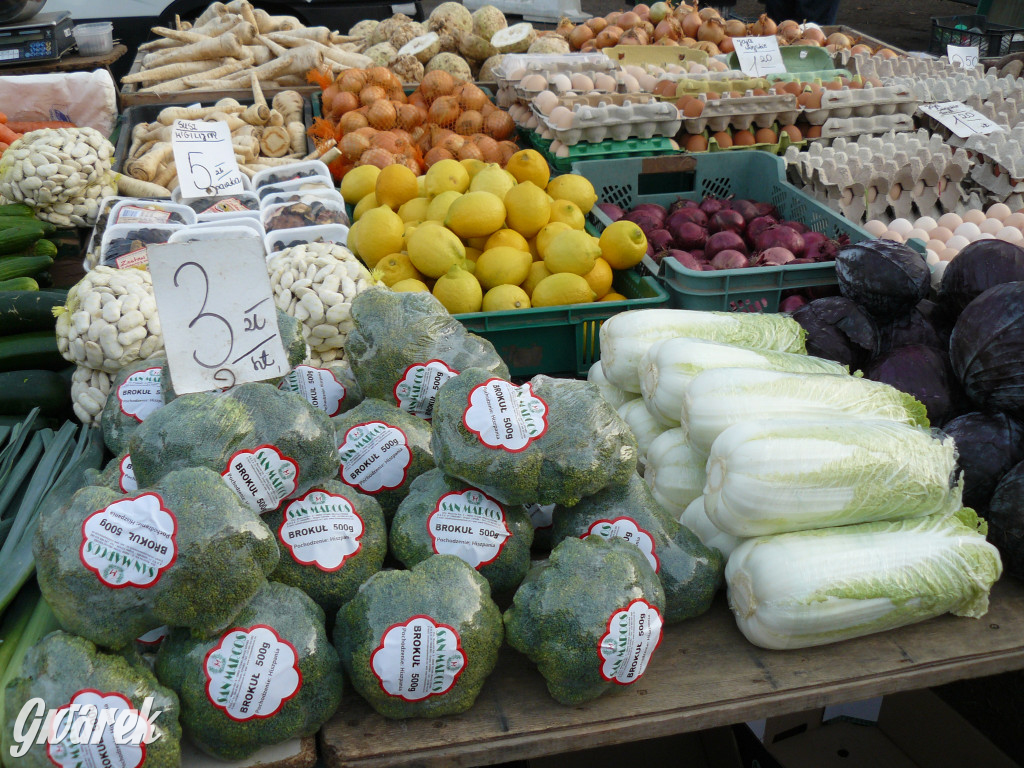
927,223
1015,220
534,83
647,82
634,70
990,226
517,74
948,255
900,225
985,236
941,233
1010,235
967,230
875,227
937,272
718,66
631,84
920,234
562,151
956,242
998,211
950,221
581,82
974,216
674,68
560,83
561,117
603,82
545,101
936,245
931,257
890,235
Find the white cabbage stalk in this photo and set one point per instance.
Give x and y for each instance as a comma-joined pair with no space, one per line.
668,367
674,471
644,427
613,395
721,397
807,588
626,336
710,535
773,476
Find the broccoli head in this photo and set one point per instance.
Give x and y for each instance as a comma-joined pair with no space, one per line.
382,449
117,475
589,617
272,677
420,643
331,387
183,551
548,441
690,572
137,392
64,671
443,516
332,540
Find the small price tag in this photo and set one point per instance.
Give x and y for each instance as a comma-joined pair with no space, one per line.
963,56
960,119
759,56
217,313
205,159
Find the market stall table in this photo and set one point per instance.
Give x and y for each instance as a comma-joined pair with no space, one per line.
704,675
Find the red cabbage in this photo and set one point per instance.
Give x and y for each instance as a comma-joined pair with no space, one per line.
976,268
925,324
884,277
1005,519
838,329
988,444
724,241
920,371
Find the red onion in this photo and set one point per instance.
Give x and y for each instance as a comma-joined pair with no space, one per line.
781,236
653,209
695,215
759,225
724,241
659,239
645,220
747,209
698,254
727,220
792,303
687,235
611,210
767,209
812,236
712,205
820,250
802,261
796,226
775,257
729,259
684,258
681,203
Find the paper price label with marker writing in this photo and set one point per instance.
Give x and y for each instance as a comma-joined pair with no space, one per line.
205,159
759,56
217,313
963,56
960,119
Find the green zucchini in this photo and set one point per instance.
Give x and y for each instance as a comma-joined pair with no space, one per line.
14,239
20,284
21,391
16,209
22,266
24,311
36,350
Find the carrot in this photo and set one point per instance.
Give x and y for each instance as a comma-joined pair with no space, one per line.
7,135
24,126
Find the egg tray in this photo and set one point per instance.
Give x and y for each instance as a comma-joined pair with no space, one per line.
638,116
999,160
908,66
554,63
818,74
862,102
780,147
938,88
527,95
718,82
742,112
605,150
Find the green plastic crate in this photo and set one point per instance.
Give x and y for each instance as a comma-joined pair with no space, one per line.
755,176
602,150
561,340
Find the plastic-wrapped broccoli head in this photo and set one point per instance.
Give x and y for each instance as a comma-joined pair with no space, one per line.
117,475
332,540
548,441
382,450
405,346
137,392
541,519
331,387
69,674
272,677
268,445
420,643
183,551
589,617
690,572
443,516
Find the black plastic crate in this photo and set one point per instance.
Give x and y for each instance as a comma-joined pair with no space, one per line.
972,29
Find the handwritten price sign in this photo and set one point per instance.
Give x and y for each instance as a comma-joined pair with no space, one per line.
217,313
960,119
205,159
759,56
963,56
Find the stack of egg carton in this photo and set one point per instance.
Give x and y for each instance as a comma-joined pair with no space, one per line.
742,112
864,111
515,68
999,162
595,117
896,175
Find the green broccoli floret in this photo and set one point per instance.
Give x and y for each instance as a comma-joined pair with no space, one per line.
272,677
589,617
443,515
420,643
63,669
183,551
331,387
549,441
404,346
690,572
269,445
332,540
382,450
130,402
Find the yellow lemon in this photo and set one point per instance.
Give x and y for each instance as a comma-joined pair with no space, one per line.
572,251
574,188
508,237
563,288
438,208
458,291
365,204
413,210
502,266
473,166
434,250
600,277
396,267
613,296
352,242
492,179
568,212
446,175
475,214
623,244
410,285
421,186
396,184
537,273
502,298
359,182
472,254
410,227
547,234
529,165
526,209
380,233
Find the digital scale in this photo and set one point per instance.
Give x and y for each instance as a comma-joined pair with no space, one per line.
44,37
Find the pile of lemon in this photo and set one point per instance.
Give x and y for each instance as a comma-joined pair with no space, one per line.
483,238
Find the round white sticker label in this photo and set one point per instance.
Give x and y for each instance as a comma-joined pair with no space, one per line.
633,634
321,529
470,525
541,515
251,673
151,640
418,659
505,416
625,528
126,475
141,394
375,457
417,388
318,386
98,730
131,542
262,478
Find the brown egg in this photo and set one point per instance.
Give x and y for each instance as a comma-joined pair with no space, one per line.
856,84
813,87
812,132
793,88
833,85
665,88
793,132
696,143
809,100
766,136
693,108
743,138
735,95
759,92
723,138
713,96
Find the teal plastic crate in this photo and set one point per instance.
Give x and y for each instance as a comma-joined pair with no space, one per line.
602,150
561,340
755,176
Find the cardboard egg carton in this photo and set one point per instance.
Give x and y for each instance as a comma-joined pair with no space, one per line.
616,116
998,160
740,113
939,88
509,92
862,102
841,127
908,66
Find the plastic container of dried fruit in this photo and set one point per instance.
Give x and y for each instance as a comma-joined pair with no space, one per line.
137,258
279,239
281,173
335,207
